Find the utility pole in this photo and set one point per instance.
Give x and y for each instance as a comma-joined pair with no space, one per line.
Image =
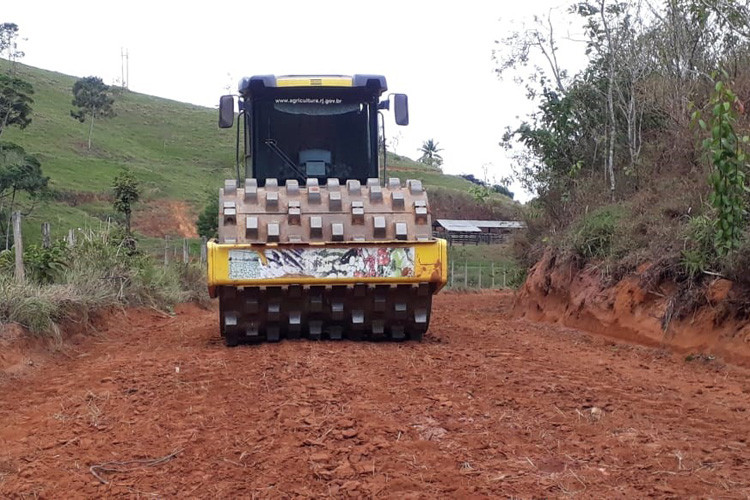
124,67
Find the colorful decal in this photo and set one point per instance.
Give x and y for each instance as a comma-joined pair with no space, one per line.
363,262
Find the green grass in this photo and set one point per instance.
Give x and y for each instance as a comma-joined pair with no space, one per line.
473,266
175,149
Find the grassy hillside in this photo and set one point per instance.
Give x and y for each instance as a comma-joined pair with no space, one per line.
175,149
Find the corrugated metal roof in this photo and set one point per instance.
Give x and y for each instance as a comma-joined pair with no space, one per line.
460,225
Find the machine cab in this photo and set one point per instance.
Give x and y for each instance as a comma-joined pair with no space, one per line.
300,127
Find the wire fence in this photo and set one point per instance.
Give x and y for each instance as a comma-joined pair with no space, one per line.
483,276
461,275
184,250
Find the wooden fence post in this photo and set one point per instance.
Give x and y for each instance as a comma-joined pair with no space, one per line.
479,286
466,274
46,243
204,242
505,270
166,251
453,273
18,247
185,251
71,237
492,272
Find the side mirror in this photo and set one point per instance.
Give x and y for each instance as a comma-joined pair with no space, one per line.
401,108
226,111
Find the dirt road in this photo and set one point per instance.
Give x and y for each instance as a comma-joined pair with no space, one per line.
485,406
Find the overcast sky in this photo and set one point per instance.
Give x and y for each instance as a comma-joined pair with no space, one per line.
439,53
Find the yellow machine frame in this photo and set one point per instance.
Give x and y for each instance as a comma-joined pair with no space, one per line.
431,265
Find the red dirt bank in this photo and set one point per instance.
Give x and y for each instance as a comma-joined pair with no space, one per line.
560,292
486,406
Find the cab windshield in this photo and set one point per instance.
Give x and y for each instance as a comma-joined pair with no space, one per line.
313,136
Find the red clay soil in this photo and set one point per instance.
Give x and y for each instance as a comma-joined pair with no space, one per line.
160,218
486,406
559,292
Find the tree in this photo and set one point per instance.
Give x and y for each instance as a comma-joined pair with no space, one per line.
518,46
208,220
15,102
430,153
9,45
19,172
126,189
93,99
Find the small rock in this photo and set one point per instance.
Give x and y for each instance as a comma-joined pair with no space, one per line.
349,433
346,423
320,457
350,486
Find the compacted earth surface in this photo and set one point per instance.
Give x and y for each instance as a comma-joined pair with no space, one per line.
486,406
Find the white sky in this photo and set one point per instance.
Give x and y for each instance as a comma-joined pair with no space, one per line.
439,53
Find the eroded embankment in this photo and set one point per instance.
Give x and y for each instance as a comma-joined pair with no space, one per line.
637,309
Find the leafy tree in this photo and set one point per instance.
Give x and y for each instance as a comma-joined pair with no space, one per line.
471,178
499,188
430,153
15,102
93,99
126,189
208,220
19,172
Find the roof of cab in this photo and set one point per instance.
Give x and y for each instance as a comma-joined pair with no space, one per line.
252,84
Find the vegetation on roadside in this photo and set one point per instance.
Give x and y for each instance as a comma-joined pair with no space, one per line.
611,152
101,270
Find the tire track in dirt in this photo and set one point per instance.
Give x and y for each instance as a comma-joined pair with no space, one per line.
486,406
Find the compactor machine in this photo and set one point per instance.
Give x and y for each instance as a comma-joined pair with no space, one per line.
314,239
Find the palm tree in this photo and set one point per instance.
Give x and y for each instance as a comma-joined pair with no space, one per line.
431,153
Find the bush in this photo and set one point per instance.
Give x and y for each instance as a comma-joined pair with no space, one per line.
594,235
208,220
102,270
699,254
45,265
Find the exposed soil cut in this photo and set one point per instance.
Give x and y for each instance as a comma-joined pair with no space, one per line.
559,292
160,218
486,406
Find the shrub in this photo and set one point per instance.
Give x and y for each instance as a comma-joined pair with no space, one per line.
700,252
593,236
208,220
102,270
45,265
